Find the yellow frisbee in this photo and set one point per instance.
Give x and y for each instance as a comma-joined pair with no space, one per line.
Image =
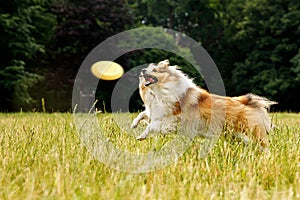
107,70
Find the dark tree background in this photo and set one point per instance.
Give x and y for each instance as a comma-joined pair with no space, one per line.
255,44
80,26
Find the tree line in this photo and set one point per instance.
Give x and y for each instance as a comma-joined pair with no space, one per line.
254,43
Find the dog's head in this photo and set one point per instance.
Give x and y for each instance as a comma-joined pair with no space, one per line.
157,74
163,80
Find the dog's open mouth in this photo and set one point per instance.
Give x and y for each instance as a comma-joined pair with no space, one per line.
150,79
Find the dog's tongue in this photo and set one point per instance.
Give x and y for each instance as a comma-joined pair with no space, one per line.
151,80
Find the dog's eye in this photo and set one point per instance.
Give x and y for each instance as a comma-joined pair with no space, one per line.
154,70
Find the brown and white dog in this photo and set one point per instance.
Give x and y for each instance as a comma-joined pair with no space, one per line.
171,97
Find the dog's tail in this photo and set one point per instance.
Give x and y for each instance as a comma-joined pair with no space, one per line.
255,101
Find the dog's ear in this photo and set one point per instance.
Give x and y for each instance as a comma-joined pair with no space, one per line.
164,63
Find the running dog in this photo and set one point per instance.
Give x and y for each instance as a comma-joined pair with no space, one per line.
171,97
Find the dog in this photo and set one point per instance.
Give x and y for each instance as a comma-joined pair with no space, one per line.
171,97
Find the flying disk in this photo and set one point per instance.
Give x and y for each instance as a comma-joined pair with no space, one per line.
107,70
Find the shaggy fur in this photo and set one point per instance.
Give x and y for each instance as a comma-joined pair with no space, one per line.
170,97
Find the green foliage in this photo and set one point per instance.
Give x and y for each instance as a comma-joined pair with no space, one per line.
15,83
197,19
261,43
255,43
296,67
83,24
25,29
80,26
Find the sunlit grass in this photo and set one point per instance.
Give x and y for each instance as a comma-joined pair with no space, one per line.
42,157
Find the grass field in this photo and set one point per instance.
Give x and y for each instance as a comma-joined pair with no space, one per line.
42,157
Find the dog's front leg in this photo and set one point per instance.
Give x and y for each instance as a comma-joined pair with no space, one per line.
153,127
136,121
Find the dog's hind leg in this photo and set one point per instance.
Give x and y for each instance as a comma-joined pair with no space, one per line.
260,135
243,138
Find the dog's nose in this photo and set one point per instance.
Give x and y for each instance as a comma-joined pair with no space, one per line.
144,71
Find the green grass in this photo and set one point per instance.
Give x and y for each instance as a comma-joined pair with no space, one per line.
42,157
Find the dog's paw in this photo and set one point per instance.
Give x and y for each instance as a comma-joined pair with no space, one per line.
133,125
141,137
